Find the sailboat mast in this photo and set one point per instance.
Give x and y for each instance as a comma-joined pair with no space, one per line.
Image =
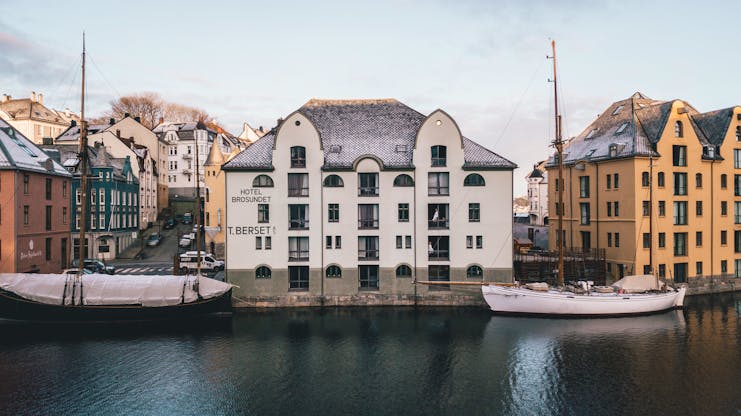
83,170
198,212
559,149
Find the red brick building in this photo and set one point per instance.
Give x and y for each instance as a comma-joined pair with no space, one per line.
34,207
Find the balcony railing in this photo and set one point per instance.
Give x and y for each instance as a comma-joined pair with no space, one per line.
439,255
187,156
364,224
298,255
298,224
368,254
438,224
298,191
368,191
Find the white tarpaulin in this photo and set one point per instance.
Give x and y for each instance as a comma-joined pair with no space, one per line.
638,283
102,289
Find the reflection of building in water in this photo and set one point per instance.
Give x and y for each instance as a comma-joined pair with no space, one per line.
364,196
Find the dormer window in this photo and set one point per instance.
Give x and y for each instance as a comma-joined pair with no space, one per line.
678,129
439,155
298,157
617,110
591,134
621,128
613,150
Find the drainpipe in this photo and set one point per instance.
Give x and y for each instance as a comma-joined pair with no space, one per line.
321,231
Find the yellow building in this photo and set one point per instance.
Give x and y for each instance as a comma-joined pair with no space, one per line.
214,208
640,151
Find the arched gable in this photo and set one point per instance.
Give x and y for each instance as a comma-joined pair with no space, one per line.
357,161
440,119
290,123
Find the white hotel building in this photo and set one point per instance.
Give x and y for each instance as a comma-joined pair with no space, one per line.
351,201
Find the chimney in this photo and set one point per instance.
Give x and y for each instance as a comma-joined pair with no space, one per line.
73,123
138,119
33,96
111,121
261,130
41,99
126,115
6,98
118,133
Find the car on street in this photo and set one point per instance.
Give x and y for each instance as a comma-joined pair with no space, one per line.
169,224
96,266
187,218
154,239
185,241
189,262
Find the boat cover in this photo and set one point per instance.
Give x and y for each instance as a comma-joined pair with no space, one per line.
103,289
638,283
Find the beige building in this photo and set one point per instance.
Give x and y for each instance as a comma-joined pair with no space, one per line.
34,120
214,200
657,185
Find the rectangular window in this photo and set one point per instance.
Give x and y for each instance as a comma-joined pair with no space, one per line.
268,243
403,213
723,181
469,241
438,248
47,247
479,241
723,208
584,207
48,189
737,185
298,217
738,262
617,239
263,213
408,241
48,217
737,158
680,272
298,184
609,239
298,248
680,183
367,216
439,155
737,241
438,183
662,208
25,215
660,179
64,215
609,181
298,157
680,244
723,237
662,270
616,181
584,186
680,213
645,179
399,241
474,212
698,208
368,248
367,184
698,238
25,184
64,188
298,277
698,180
609,209
338,241
333,212
646,240
437,216
438,273
101,221
737,212
328,241
679,155
724,266
616,208
646,208
368,277
258,243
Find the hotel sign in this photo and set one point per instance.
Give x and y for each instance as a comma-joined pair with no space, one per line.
250,196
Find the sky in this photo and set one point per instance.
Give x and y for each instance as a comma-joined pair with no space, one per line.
483,62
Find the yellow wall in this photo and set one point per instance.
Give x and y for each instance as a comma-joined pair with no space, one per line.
214,179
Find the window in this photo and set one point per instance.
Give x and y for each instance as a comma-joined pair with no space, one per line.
645,179
268,243
437,216
474,179
403,271
403,213
469,241
680,213
399,241
439,155
737,212
408,241
25,215
333,181
258,243
367,216
698,208
646,240
438,183
262,181
662,270
613,150
609,209
698,180
680,272
479,241
660,179
584,208
584,186
263,272
368,277
646,208
334,271
621,128
298,184
723,237
403,180
662,208
64,215
698,238
47,245
737,185
662,240
338,241
680,244
617,239
608,182
48,188
678,131
298,248
474,272
328,241
738,133
474,212
333,212
368,248
64,188
48,217
298,217
724,181
724,266
680,183
438,273
298,277
616,181
263,213
679,155
438,248
367,184
298,157
616,206
25,184
101,196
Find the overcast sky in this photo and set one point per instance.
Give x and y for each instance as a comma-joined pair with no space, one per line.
481,61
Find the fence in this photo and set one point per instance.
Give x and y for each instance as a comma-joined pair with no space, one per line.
542,266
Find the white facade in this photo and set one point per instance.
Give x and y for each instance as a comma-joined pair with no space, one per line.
537,195
464,236
34,120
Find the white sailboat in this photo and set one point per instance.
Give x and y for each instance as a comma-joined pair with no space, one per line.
632,295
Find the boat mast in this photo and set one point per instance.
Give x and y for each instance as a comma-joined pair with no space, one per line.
559,151
198,210
83,169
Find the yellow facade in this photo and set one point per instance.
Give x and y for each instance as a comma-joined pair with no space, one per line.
684,223
214,204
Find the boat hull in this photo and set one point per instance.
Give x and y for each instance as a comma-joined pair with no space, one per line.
15,307
521,301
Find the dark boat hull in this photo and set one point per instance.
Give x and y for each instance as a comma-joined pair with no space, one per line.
17,308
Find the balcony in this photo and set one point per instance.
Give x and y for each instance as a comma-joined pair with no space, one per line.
367,224
298,255
187,156
441,224
439,255
298,224
368,254
368,191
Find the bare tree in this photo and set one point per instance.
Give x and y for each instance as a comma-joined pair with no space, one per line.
150,107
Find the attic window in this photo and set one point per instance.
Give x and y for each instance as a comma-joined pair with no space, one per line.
591,134
591,152
401,148
617,110
621,128
613,150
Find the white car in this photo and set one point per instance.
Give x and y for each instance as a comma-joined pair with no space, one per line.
184,241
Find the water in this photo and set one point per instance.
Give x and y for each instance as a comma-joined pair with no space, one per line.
364,361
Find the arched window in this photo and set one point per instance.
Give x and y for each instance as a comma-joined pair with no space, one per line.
403,180
263,181
738,134
334,271
474,179
298,157
263,272
678,130
474,272
660,179
439,155
645,179
698,180
333,181
403,271
724,181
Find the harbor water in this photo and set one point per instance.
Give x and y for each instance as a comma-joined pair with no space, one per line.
383,361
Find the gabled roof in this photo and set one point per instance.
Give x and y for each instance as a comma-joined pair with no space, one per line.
385,129
715,124
215,156
19,153
28,109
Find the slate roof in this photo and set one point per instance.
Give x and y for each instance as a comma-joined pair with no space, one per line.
349,129
72,134
715,124
25,109
19,153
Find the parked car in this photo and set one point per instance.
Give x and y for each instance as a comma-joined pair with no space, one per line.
185,241
189,262
96,266
169,224
154,239
187,218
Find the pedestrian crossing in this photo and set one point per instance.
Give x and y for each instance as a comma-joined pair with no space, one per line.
144,270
